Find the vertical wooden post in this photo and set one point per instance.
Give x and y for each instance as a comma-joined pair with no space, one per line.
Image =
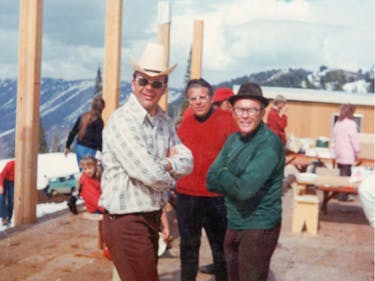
28,117
164,39
196,53
112,62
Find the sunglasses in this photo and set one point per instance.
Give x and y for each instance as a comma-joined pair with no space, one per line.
156,84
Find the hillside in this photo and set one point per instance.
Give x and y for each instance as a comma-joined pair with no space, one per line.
61,101
324,79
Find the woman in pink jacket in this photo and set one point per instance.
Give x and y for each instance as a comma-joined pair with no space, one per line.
345,140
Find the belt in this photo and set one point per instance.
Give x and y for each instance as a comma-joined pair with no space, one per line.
116,216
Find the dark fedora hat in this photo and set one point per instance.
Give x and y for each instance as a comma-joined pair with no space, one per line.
249,90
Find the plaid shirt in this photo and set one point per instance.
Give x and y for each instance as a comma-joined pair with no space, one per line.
134,144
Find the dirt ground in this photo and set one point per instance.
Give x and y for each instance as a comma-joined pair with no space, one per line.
64,247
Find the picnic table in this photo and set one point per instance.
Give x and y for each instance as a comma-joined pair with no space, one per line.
330,185
301,161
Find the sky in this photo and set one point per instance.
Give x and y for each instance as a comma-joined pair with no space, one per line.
240,36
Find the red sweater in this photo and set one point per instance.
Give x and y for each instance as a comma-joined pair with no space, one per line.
205,140
277,124
8,172
90,191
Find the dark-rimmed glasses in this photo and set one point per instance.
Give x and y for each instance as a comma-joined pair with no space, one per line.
156,84
239,111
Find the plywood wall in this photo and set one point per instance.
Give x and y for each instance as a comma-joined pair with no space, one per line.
311,119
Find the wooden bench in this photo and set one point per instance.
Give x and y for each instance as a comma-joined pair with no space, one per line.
305,211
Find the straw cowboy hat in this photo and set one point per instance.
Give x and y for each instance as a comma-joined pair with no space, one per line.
152,61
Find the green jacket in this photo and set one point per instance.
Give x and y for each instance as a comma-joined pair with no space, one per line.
249,172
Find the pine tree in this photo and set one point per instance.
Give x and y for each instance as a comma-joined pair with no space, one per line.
98,82
56,146
43,146
185,102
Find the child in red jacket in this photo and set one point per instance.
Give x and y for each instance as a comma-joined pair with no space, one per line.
7,192
89,186
90,189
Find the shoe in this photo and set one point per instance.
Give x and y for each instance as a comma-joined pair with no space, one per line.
350,197
342,197
208,268
72,204
106,253
5,221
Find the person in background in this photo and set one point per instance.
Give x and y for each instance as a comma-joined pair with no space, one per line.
7,192
345,143
277,120
204,133
220,98
142,157
249,172
89,184
88,127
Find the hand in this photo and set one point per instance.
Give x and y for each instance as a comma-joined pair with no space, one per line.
66,151
284,110
1,189
165,234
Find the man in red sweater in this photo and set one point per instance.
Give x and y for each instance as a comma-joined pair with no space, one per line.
277,120
7,192
204,133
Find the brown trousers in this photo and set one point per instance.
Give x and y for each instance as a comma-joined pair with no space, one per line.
132,240
248,253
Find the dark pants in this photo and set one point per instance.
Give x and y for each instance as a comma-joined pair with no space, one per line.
7,200
132,241
249,253
193,214
345,170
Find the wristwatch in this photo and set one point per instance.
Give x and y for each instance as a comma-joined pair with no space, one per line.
164,163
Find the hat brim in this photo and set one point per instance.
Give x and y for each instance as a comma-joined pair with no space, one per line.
149,72
237,97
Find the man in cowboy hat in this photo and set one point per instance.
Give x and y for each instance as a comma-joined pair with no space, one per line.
249,173
142,156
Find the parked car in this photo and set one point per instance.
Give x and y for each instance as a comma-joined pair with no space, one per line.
61,185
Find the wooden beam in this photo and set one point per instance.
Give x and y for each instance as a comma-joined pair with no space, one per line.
163,38
164,30
112,62
196,53
27,116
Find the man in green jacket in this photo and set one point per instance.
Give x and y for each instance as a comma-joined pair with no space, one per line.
249,173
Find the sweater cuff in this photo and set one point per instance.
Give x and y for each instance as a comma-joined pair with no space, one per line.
222,174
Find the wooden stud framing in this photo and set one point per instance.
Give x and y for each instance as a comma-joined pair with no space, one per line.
112,63
196,54
27,115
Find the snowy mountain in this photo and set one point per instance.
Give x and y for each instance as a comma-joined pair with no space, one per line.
324,79
61,102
